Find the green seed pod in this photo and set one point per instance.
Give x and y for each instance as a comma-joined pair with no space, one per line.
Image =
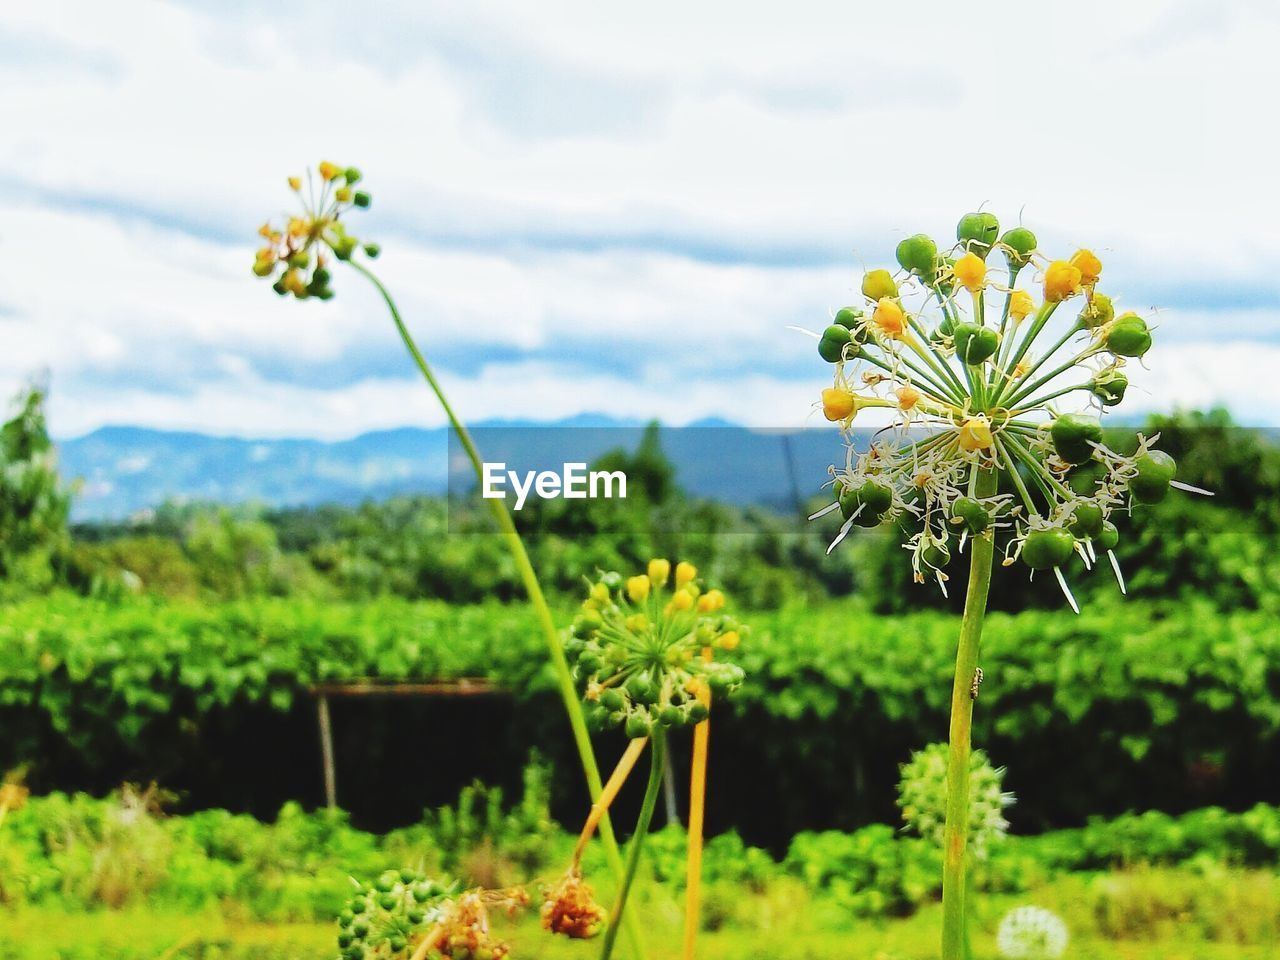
641,689
878,284
1086,519
388,901
360,928
1019,244
385,883
1128,336
300,260
1109,386
611,579
1108,536
1097,311
670,716
638,725
935,555
357,906
698,712
397,943
371,250
968,514
362,199
873,496
976,232
1043,549
279,287
946,327
263,268
975,343
832,343
1151,483
918,255
849,317
724,676
612,700
351,175
1073,436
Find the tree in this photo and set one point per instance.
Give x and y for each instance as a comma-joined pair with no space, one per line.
34,505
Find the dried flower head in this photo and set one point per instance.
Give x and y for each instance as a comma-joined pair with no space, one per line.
1031,933
569,908
295,252
636,645
922,797
984,439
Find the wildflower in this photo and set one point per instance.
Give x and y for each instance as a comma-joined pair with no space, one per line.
889,318
1031,933
1021,304
1061,280
970,272
1090,266
296,256
570,909
988,451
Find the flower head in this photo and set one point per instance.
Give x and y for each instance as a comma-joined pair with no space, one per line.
569,908
641,648
1031,933
295,253
922,797
984,440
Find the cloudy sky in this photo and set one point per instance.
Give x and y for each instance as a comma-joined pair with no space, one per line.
607,208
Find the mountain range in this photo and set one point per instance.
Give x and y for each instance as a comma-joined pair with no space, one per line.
121,470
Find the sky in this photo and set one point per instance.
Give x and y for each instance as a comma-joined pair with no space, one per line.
607,208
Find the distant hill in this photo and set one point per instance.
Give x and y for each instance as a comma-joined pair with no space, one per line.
126,469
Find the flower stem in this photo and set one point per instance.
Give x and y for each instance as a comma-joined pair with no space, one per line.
560,665
637,839
697,813
981,559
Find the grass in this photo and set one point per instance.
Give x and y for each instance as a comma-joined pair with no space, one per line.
1167,914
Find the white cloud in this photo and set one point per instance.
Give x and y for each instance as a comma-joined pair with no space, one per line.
675,183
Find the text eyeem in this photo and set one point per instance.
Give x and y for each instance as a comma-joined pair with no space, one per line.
573,482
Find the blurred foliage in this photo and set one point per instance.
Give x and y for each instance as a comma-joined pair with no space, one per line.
86,853
1156,705
34,505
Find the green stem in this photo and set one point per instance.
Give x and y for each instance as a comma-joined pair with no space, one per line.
656,753
560,666
981,560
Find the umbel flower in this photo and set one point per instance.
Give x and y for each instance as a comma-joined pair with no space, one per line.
922,797
295,254
994,403
643,654
994,441
1031,933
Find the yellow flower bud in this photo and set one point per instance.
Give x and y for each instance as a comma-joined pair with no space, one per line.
839,404
637,623
889,318
711,601
685,572
1090,266
908,397
970,271
329,170
599,593
683,600
659,570
728,641
975,434
638,588
342,194
1061,280
295,183
1021,305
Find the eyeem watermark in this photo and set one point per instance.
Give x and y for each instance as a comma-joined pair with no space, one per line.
573,482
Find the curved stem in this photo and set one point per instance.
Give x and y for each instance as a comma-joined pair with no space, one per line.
636,846
560,666
981,559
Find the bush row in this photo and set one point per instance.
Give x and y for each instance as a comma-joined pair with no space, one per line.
83,853
1126,706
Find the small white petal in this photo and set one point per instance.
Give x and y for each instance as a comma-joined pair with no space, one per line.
1062,582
